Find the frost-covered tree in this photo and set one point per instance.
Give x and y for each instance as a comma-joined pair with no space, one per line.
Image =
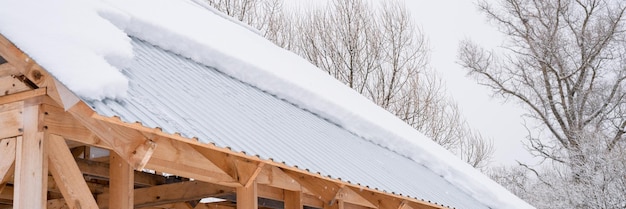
565,61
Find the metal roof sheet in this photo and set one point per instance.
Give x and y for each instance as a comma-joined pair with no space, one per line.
182,96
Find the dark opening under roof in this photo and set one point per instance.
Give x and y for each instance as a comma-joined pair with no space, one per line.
2,60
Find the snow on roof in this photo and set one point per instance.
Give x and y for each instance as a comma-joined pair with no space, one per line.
87,62
78,46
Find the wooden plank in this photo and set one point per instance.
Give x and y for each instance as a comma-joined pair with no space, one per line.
11,84
130,144
293,200
57,204
247,196
347,195
62,123
101,170
121,183
67,175
31,164
324,190
22,96
7,161
170,193
176,157
269,192
11,120
275,177
7,69
12,54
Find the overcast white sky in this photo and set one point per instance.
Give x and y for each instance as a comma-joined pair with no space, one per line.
445,23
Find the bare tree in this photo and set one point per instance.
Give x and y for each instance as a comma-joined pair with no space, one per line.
566,62
376,50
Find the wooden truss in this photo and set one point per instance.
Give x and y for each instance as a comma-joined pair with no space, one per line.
56,152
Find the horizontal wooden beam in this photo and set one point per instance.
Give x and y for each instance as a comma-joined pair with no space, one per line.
171,193
20,96
101,170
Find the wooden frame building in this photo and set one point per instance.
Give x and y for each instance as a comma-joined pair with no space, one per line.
195,134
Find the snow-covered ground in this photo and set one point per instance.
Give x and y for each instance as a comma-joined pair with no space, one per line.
86,42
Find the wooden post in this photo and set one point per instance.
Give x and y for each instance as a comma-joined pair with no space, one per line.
121,183
293,200
31,163
247,197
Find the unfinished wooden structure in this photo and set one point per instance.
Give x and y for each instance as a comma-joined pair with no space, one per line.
56,152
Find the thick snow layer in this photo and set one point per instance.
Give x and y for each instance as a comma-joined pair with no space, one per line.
193,31
73,42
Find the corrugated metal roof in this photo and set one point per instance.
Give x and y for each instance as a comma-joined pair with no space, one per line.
180,95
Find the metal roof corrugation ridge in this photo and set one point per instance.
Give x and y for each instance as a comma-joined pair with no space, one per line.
179,95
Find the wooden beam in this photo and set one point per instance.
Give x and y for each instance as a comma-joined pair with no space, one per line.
130,144
347,195
247,196
275,177
121,183
67,175
293,200
7,161
20,96
12,84
101,170
173,156
11,120
7,69
31,164
170,193
324,190
62,123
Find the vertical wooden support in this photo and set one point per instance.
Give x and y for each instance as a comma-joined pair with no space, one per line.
67,175
121,183
293,200
31,163
247,197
